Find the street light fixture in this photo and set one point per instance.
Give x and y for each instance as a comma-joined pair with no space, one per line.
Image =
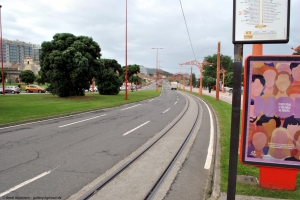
126,71
156,65
200,66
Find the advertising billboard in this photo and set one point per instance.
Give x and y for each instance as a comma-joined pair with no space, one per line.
261,21
271,111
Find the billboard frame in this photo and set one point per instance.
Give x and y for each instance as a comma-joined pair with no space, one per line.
270,41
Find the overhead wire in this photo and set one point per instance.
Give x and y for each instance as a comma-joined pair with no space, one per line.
187,29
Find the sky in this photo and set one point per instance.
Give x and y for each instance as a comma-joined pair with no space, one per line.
185,29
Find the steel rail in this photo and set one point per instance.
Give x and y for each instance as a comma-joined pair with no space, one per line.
100,185
160,180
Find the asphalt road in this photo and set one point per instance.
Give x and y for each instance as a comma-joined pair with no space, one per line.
58,157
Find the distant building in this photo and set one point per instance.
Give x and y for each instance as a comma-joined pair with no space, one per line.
14,52
18,56
143,70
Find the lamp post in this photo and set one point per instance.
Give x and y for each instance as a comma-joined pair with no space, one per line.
126,71
200,66
223,71
218,74
156,65
3,90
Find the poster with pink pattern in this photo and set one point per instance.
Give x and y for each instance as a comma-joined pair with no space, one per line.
271,121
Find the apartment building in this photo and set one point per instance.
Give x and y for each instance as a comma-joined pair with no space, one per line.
14,52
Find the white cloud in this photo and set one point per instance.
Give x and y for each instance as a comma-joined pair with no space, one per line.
151,23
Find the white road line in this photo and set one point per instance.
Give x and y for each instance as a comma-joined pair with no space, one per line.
166,110
175,103
136,128
47,120
81,121
211,141
131,107
150,100
27,182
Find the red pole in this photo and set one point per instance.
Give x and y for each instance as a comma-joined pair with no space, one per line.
126,73
191,81
200,85
218,73
156,69
3,90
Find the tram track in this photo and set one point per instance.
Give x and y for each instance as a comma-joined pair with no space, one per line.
159,155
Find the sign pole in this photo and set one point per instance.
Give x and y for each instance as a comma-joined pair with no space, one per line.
235,121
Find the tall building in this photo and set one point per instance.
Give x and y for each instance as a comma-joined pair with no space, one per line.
143,70
14,52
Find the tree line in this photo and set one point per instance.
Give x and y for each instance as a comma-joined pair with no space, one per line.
70,64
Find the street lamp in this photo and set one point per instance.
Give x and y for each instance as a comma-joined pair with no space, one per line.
200,66
3,90
126,71
156,65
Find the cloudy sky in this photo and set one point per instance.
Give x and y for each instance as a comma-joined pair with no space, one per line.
151,23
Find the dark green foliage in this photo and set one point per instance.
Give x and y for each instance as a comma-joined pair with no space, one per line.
193,80
132,70
226,63
111,77
229,79
27,76
211,81
5,74
69,63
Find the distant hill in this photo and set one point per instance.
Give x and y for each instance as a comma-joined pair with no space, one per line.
153,71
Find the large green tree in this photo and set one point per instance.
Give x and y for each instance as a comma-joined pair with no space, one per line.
110,78
69,63
132,71
225,63
27,76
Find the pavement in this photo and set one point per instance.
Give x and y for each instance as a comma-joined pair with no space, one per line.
216,193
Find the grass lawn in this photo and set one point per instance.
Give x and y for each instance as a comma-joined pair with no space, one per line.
15,108
223,111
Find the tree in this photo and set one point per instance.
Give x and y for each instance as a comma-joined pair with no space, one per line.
27,76
110,78
5,74
69,63
132,70
229,79
225,61
211,82
39,79
194,83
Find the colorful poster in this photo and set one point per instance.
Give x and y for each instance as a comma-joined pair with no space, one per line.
271,135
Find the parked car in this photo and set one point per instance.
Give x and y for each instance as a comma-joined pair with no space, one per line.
133,87
228,89
34,88
95,89
10,89
122,88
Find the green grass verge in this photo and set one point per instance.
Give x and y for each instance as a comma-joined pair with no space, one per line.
16,108
223,111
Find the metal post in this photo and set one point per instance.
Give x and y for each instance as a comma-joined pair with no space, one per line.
191,81
3,89
126,71
235,121
218,74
